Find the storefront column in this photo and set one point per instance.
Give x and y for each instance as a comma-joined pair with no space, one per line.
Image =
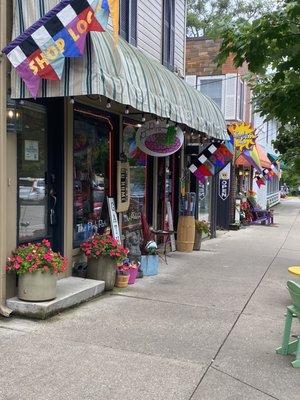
68,192
3,90
155,192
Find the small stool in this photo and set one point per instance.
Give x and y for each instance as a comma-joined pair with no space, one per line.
294,270
166,237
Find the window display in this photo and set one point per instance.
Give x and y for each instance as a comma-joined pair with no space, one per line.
131,222
92,133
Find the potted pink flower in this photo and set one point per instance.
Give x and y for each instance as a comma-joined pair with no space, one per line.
104,254
37,267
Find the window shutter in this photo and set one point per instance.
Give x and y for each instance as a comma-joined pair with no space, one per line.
133,22
124,19
230,96
192,81
169,34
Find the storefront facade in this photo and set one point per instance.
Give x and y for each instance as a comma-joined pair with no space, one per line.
62,156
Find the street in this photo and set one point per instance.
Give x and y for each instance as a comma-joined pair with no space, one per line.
205,328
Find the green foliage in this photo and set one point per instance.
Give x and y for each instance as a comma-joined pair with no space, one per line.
209,17
271,47
202,226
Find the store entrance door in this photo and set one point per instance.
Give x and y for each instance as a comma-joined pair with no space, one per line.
40,173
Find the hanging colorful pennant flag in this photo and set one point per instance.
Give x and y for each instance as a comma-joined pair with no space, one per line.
40,51
260,181
275,169
211,160
252,157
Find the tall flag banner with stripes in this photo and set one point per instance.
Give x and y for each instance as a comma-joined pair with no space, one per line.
40,51
212,159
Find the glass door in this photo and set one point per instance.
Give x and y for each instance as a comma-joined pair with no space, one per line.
32,167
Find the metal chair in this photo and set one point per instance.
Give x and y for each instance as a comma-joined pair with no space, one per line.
293,311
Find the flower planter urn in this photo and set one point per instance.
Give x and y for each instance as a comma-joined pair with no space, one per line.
37,286
198,239
102,269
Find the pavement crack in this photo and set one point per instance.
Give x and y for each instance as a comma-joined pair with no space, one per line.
244,383
175,303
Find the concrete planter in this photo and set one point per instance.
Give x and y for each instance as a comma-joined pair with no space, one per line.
198,239
102,269
37,286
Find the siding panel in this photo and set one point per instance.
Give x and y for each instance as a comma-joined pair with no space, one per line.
179,34
150,27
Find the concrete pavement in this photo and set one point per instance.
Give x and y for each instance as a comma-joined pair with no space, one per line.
205,328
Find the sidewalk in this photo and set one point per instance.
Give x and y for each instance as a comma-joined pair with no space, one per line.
205,328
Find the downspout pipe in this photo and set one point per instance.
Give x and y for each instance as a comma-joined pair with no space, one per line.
4,310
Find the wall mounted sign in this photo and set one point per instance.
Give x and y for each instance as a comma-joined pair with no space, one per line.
40,51
114,223
123,186
243,134
158,140
31,150
202,191
224,182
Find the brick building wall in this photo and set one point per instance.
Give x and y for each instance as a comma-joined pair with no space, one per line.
200,58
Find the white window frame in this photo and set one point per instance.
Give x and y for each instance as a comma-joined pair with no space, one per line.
200,78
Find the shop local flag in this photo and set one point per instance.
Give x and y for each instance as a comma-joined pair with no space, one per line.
40,51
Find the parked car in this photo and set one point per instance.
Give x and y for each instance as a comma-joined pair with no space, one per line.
34,192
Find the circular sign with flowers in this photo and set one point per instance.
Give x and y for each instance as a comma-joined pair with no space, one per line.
158,139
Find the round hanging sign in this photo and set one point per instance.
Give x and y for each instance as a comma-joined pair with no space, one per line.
158,140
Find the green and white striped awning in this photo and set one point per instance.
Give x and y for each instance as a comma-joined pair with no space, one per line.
125,75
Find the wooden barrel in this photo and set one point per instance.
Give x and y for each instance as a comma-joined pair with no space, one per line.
186,234
122,281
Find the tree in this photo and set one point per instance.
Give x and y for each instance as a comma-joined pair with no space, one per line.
270,45
208,17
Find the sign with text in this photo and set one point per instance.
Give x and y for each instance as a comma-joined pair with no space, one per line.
224,182
31,150
40,52
123,186
202,191
114,223
243,134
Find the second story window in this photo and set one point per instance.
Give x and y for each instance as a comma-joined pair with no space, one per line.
168,33
212,88
128,20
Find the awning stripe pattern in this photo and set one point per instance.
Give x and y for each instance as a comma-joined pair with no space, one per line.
124,74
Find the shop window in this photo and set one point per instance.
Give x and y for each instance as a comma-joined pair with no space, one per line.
212,88
128,20
92,138
204,199
168,33
131,219
31,169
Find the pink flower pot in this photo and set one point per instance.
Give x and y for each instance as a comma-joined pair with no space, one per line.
132,275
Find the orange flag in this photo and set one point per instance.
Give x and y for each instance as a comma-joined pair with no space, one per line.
114,8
